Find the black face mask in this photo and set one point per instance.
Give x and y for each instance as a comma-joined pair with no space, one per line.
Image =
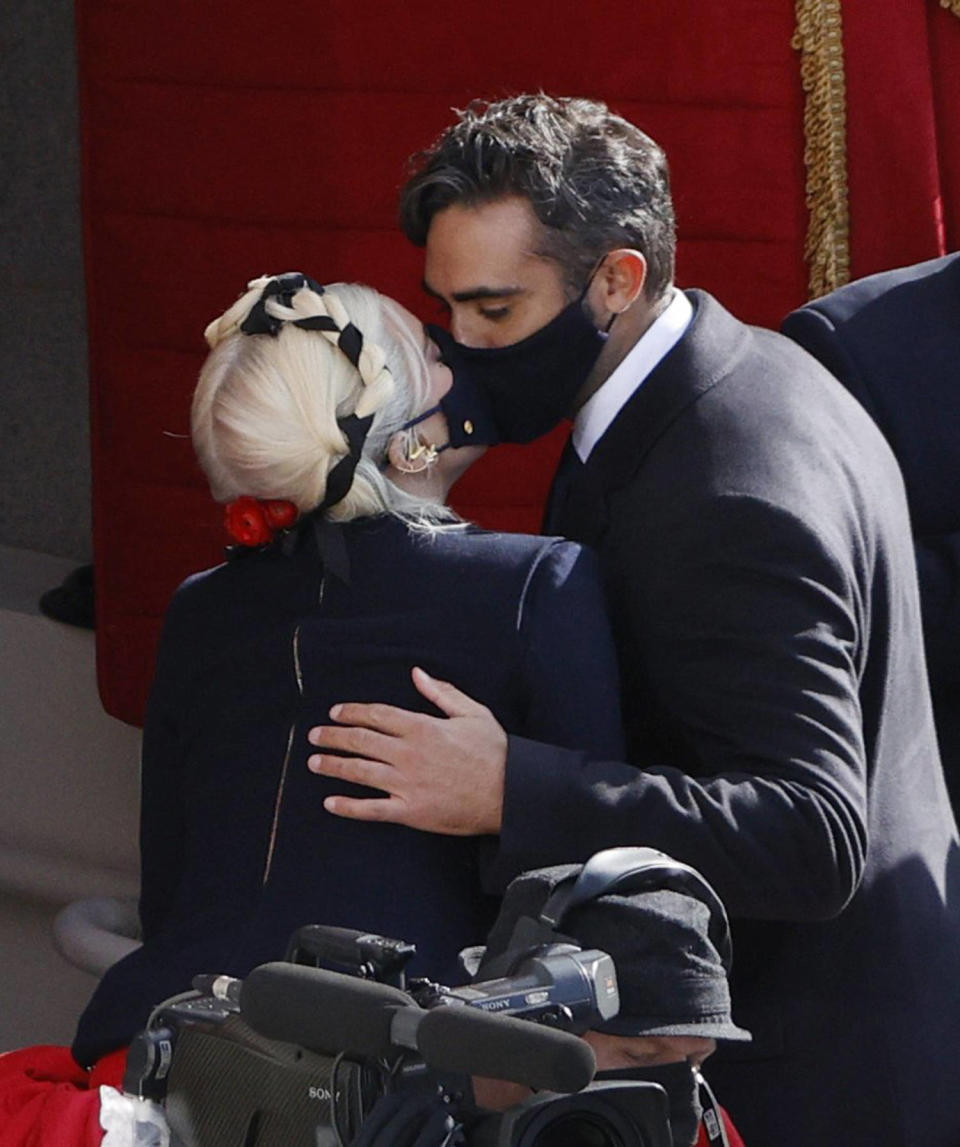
517,393
679,1081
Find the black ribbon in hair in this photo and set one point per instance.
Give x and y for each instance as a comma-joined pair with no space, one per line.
350,340
326,534
341,476
328,539
283,288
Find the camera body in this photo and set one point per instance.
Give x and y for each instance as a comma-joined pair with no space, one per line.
224,1078
559,985
222,1082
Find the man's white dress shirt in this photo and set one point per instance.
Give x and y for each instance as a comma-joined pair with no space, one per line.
602,407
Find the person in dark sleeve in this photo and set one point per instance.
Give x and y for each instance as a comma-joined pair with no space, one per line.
321,402
755,544
893,340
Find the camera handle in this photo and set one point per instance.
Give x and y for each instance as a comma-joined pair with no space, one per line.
363,954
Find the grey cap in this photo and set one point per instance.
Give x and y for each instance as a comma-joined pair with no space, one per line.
671,977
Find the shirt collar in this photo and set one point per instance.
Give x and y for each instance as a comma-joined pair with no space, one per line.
601,408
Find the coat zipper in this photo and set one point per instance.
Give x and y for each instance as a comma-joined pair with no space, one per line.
286,761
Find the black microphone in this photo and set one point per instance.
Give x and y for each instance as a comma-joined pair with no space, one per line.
331,1013
351,949
324,1011
470,1040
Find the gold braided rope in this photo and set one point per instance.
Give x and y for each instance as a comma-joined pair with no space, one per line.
951,6
819,39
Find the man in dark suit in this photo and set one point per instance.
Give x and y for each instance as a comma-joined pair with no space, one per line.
753,532
893,340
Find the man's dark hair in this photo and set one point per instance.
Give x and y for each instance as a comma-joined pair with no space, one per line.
594,181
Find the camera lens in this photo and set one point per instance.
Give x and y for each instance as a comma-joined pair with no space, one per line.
577,1129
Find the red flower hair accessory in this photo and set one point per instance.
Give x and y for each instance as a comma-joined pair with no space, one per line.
256,522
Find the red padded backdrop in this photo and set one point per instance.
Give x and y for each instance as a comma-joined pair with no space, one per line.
222,140
903,88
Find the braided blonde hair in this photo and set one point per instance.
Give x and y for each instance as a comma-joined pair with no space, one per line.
265,410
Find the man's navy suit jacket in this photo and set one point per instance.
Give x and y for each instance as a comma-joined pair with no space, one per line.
893,340
753,534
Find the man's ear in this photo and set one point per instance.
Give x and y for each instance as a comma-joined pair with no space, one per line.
619,281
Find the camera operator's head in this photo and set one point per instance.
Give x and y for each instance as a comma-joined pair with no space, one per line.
674,996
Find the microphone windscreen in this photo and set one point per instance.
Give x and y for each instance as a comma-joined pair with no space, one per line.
321,1010
464,1039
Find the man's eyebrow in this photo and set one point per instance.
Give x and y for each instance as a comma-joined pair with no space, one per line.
475,293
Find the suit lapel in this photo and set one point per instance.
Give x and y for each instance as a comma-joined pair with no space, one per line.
568,469
709,349
577,507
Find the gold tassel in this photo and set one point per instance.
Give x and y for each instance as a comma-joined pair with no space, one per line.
819,39
951,5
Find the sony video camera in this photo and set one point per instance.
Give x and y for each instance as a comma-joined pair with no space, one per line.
299,1054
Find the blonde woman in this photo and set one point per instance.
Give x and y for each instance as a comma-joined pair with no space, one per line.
317,419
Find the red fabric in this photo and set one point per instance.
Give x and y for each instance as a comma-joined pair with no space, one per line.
223,140
899,130
46,1098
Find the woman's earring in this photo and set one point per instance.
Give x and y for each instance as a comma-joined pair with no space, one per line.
420,458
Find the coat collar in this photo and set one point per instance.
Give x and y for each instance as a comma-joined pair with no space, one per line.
710,348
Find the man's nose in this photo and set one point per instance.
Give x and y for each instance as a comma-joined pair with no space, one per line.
463,330
471,331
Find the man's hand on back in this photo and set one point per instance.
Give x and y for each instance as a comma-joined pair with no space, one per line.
441,774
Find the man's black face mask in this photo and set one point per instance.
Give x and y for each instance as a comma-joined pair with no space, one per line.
517,393
679,1081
